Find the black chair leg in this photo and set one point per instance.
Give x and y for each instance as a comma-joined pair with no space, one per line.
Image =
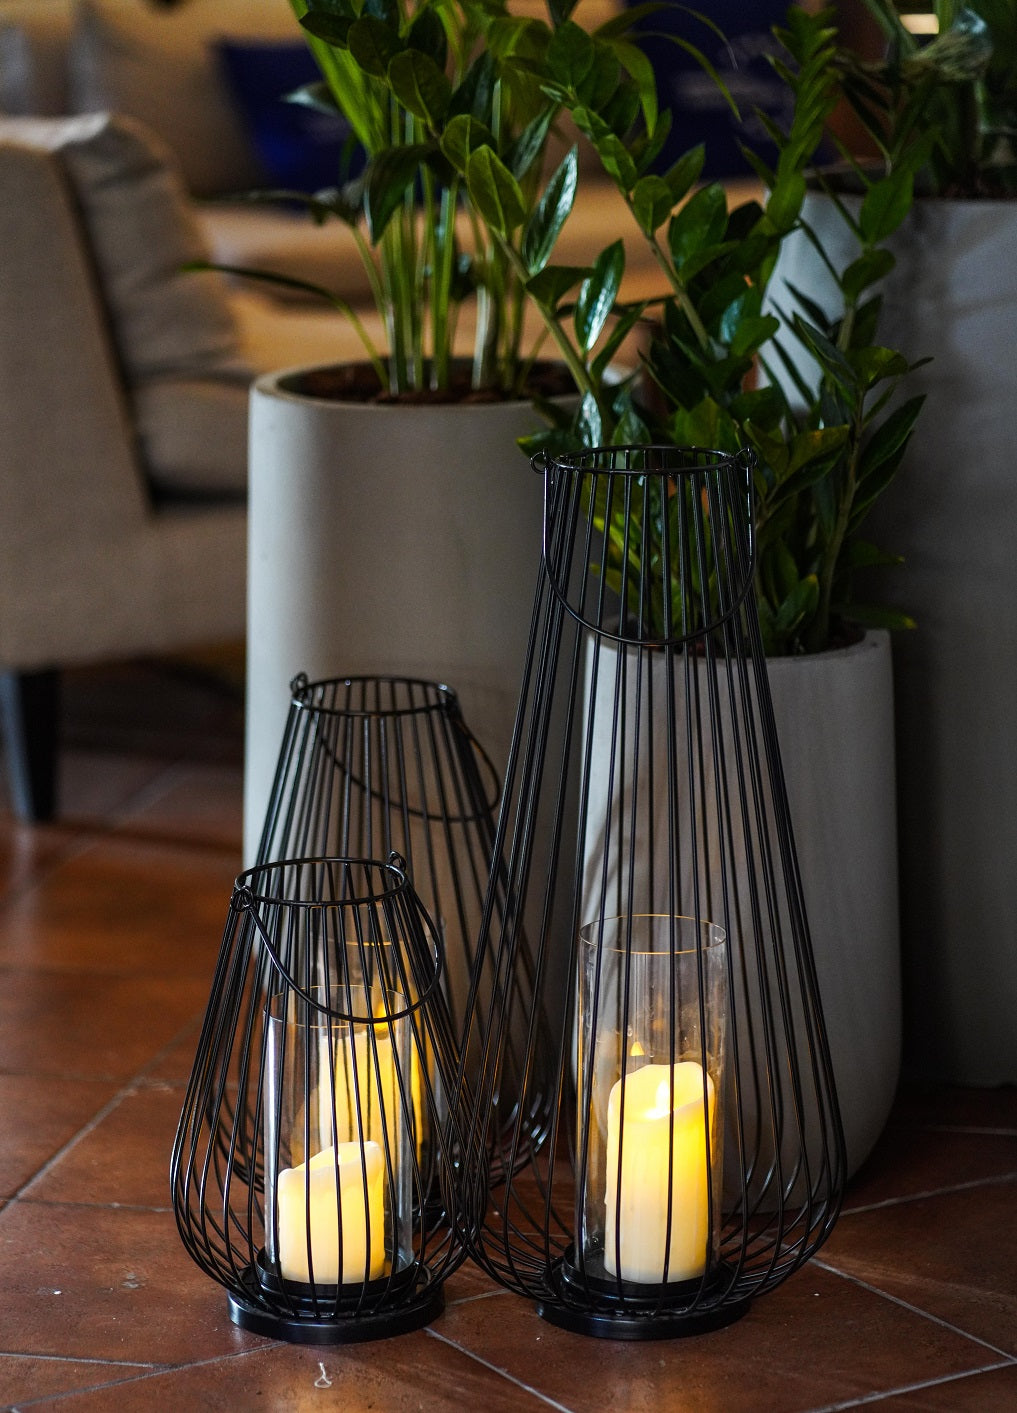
29,715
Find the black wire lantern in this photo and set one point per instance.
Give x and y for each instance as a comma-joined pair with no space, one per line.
645,867
316,1129
369,765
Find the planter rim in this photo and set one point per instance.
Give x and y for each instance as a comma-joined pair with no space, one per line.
273,384
874,638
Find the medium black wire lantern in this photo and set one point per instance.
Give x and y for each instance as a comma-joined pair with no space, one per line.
316,1128
694,1156
369,765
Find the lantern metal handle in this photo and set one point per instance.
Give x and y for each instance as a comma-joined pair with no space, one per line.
244,899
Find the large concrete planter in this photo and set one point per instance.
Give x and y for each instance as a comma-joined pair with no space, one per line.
397,539
835,721
951,513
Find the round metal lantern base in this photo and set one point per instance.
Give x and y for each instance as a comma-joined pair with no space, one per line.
628,1311
298,1317
658,1325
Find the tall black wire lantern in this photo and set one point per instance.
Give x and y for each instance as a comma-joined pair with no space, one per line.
694,1156
316,1128
374,764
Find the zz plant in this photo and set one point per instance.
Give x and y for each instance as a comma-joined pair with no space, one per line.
453,103
728,359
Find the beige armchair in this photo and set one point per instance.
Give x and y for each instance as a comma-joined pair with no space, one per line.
123,407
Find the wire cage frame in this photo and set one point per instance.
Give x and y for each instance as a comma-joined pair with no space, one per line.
316,1128
373,764
694,1155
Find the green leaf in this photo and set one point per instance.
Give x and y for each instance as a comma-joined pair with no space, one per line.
816,446
475,95
560,10
614,155
463,135
870,267
598,294
889,438
550,285
682,176
570,54
640,69
753,332
420,86
333,29
589,427
623,326
631,429
373,44
700,223
875,364
550,214
390,175
530,144
785,202
494,191
827,354
799,606
329,20
885,205
427,34
651,203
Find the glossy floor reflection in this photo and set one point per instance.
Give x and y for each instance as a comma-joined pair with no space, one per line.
110,922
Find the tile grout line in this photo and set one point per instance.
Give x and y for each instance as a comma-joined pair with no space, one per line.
127,1088
998,1178
148,1365
913,1388
502,1373
152,1371
72,1142
915,1310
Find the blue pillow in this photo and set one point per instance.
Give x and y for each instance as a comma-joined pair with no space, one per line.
299,148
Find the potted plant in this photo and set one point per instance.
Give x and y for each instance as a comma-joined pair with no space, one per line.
718,373
946,105
382,494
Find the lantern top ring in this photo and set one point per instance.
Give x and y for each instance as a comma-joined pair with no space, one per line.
319,695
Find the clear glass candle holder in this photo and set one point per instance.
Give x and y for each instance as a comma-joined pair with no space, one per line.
341,1129
650,1085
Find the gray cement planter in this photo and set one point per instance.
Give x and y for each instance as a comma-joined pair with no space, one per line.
385,539
952,513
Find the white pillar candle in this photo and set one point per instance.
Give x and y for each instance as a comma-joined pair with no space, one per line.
341,1188
652,1153
375,1083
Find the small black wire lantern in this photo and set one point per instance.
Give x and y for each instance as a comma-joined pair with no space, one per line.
316,1128
693,1156
369,765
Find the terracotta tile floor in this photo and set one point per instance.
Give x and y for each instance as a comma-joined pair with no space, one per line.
109,926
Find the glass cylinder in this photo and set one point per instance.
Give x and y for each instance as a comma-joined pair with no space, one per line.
340,1136
650,1076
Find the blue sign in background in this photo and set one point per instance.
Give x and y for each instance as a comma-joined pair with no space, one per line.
699,111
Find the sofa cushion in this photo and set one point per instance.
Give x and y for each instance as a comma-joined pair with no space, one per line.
170,328
300,148
160,65
34,38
